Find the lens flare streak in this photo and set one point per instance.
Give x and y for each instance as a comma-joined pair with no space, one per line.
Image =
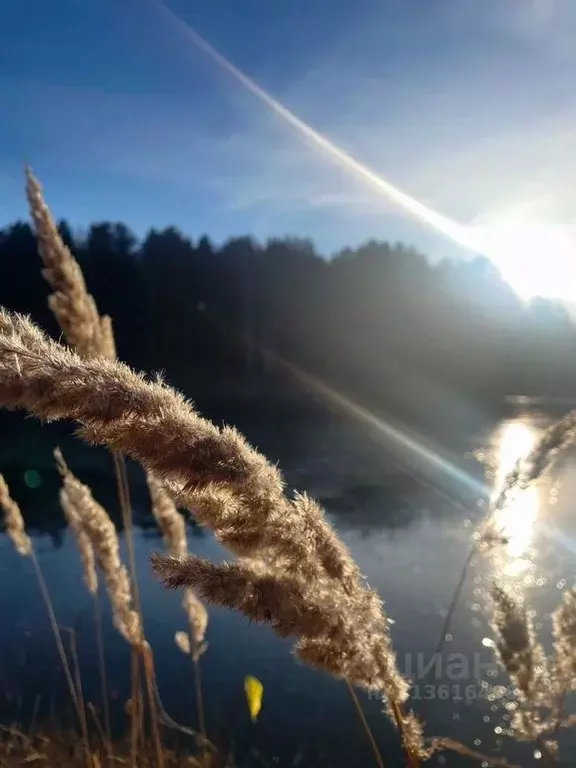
437,221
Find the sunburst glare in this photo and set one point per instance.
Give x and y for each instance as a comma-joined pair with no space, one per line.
535,257
516,520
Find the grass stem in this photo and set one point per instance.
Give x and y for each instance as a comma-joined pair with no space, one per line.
368,731
80,711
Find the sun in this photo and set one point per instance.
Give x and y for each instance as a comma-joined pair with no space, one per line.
536,258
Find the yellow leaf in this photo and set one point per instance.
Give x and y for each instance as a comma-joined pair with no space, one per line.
254,690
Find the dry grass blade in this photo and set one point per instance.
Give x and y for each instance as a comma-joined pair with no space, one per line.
59,749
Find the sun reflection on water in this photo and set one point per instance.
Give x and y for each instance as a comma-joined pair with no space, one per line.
517,519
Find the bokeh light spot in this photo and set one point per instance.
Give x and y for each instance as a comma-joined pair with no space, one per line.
32,478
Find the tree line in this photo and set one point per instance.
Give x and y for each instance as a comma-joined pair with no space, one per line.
379,321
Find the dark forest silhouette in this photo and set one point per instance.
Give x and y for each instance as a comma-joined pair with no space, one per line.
379,322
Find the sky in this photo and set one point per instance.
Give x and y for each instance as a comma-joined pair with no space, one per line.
466,105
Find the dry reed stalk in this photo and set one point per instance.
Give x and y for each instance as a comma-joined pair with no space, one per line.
77,500
564,632
103,671
14,521
74,519
365,726
564,629
173,529
126,508
523,659
104,539
70,301
137,709
528,470
532,467
77,676
519,653
92,335
57,748
16,531
284,544
514,625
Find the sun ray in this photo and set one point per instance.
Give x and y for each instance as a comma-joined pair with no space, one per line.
436,221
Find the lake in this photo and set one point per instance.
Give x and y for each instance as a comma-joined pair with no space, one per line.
406,507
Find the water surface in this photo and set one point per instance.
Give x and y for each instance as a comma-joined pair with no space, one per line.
407,509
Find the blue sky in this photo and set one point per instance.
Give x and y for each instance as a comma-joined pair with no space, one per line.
467,105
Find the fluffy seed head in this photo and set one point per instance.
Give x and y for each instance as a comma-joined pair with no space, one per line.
14,521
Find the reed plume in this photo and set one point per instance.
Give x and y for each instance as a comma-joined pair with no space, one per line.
77,500
523,659
70,301
250,590
213,471
169,520
14,521
231,488
173,529
532,467
519,653
15,530
74,518
564,630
